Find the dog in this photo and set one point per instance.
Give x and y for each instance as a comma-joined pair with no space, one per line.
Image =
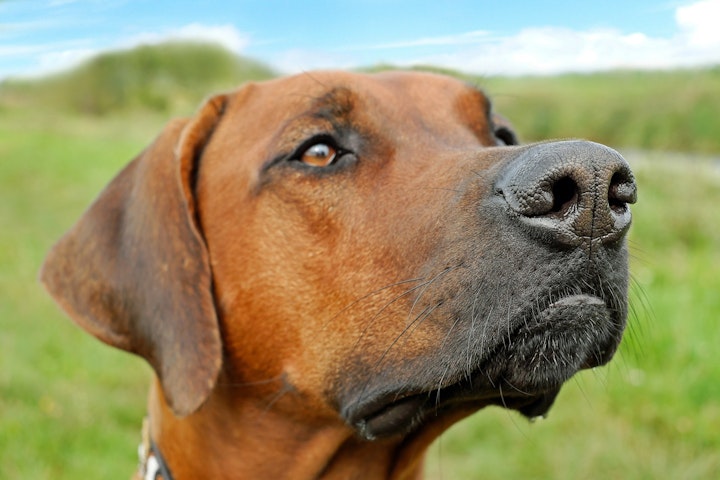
326,271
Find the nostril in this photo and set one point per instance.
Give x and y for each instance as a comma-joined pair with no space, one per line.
621,191
565,195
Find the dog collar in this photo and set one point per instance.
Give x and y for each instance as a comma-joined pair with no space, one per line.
152,465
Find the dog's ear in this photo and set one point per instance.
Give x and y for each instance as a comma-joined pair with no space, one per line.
134,271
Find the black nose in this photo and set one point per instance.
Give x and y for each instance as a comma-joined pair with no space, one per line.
570,192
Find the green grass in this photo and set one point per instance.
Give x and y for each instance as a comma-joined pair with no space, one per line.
71,407
674,110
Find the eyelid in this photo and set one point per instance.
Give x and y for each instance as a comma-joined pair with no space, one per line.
292,153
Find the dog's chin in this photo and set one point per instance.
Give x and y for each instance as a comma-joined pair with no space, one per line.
400,417
524,373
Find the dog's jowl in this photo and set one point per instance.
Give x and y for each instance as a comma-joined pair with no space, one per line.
328,270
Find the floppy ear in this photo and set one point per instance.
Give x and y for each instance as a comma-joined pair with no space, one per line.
134,271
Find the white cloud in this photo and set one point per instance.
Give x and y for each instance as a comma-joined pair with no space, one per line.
551,49
14,50
51,58
12,28
298,60
548,50
699,23
225,35
46,57
56,60
466,38
60,3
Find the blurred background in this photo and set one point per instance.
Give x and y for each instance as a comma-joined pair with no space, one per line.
85,85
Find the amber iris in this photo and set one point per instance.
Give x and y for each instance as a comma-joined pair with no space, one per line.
319,155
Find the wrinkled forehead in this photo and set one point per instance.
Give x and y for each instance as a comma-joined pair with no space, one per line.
393,99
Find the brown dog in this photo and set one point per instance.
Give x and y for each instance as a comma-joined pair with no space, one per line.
328,270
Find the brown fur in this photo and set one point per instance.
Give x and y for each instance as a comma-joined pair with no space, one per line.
271,298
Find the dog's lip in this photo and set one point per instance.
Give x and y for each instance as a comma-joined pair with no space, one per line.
577,300
584,323
398,414
385,416
588,305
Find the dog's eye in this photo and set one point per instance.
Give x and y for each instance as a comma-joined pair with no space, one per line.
319,155
506,136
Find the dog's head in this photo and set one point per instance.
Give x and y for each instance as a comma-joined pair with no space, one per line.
373,249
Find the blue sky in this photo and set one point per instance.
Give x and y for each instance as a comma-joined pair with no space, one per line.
483,37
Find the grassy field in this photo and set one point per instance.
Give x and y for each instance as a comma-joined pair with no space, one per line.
71,407
676,110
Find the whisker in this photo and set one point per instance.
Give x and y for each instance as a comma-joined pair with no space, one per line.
425,313
250,384
370,322
440,385
275,398
412,325
484,331
372,293
470,338
430,282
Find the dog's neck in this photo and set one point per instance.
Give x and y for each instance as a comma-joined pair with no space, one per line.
237,440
